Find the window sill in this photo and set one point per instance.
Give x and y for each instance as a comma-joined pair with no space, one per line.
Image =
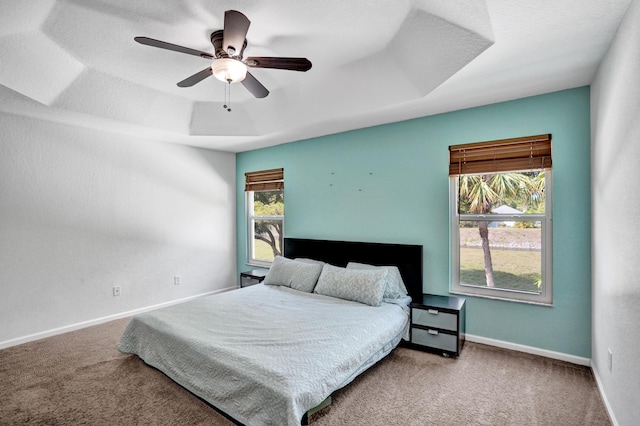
504,299
266,265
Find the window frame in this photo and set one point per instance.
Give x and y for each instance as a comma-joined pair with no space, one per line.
251,217
546,295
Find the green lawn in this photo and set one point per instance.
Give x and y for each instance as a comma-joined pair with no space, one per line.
263,251
512,269
503,237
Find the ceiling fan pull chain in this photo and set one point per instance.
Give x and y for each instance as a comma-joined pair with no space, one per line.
227,97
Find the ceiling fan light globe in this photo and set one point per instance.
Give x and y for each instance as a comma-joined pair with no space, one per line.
227,69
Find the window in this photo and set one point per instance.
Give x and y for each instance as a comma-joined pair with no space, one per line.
265,215
502,219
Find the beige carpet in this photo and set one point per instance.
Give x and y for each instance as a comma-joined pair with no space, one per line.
79,378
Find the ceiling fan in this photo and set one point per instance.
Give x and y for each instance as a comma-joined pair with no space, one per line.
228,65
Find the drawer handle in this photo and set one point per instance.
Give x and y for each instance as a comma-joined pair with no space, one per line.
433,311
434,332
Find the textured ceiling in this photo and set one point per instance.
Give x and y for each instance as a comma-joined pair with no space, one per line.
374,62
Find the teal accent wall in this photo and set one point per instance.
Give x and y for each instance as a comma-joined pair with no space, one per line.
390,183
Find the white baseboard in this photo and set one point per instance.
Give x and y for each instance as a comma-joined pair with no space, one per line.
96,321
530,350
604,396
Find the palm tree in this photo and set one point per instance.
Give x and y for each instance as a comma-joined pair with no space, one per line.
479,194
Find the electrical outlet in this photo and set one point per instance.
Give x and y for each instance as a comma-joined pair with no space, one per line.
610,359
116,290
176,280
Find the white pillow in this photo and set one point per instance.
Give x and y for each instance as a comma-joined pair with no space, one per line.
394,288
306,260
294,274
358,285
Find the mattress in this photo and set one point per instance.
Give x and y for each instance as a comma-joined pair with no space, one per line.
265,355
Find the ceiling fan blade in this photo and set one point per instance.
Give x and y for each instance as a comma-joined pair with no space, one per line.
236,26
196,78
254,86
293,64
169,46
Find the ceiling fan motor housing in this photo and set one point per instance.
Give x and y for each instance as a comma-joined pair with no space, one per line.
216,40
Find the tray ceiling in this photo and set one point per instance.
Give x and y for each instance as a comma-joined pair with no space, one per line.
374,62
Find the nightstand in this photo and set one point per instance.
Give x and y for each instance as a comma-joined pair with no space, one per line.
255,276
438,324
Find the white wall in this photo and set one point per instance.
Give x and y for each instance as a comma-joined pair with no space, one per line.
83,210
615,158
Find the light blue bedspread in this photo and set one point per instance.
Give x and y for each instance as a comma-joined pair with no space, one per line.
265,355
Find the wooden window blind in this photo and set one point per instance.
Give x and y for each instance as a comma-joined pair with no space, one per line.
265,180
506,155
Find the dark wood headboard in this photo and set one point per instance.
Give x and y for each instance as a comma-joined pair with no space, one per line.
408,258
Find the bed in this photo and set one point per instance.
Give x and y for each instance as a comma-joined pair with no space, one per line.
267,354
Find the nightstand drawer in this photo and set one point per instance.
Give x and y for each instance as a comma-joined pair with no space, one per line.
247,281
434,318
434,339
